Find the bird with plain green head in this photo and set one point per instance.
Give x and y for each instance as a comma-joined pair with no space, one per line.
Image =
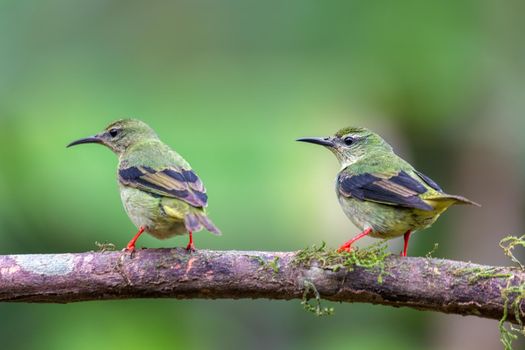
381,193
161,194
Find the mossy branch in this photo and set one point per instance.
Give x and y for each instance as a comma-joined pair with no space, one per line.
370,276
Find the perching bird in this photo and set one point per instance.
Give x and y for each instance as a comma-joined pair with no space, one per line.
162,195
381,193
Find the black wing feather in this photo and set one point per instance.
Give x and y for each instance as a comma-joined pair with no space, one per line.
409,182
399,190
429,181
171,182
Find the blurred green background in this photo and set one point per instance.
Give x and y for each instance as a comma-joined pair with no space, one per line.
230,84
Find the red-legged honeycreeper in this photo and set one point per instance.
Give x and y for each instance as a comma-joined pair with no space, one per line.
161,194
381,193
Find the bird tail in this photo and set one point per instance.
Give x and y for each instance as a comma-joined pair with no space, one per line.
453,199
196,221
463,200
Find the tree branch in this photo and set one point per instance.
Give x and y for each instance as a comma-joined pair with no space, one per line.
421,283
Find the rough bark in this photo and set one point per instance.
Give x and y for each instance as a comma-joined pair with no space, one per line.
421,283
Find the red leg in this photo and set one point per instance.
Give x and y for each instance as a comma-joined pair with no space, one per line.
131,244
347,245
405,246
190,246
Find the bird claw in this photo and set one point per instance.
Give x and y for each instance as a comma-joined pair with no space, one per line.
130,250
190,248
344,248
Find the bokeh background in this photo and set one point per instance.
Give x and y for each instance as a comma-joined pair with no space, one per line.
230,84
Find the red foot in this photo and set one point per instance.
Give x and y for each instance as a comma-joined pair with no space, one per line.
131,245
344,248
405,246
190,247
347,246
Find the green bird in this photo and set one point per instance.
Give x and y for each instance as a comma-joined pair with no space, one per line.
161,194
381,193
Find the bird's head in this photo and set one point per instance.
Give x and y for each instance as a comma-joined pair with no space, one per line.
120,135
351,144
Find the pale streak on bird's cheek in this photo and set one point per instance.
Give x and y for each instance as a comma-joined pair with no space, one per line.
347,161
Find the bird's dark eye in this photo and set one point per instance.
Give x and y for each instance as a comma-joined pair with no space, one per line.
113,132
348,140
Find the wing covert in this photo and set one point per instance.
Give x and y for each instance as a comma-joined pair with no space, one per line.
172,182
397,190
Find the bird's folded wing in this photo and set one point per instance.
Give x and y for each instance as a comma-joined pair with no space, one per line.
429,181
398,189
172,182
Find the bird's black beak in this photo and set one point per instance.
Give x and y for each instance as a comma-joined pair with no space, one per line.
323,141
91,139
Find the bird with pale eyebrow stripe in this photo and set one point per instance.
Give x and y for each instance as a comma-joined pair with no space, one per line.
381,193
161,194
